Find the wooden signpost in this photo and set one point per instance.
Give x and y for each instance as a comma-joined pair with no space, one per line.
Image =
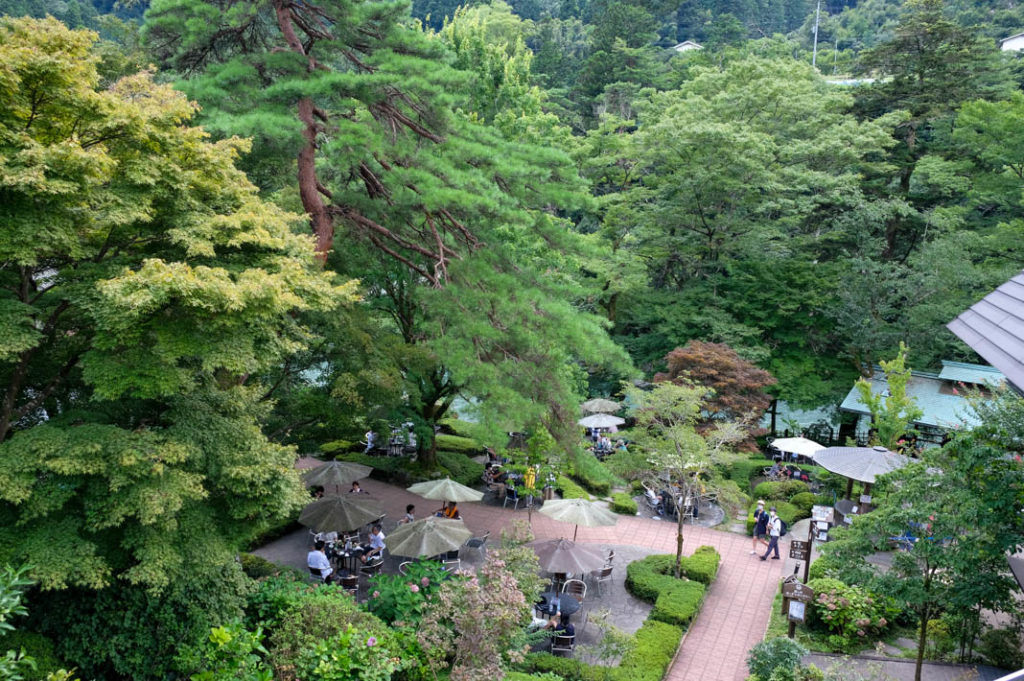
795,597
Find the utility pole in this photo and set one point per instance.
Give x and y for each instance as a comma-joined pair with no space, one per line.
817,18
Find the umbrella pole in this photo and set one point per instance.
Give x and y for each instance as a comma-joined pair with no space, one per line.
577,529
849,488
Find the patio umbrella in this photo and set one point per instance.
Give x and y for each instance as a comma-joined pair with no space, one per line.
427,537
863,464
600,421
340,513
445,490
578,512
599,405
1017,567
564,556
337,473
797,445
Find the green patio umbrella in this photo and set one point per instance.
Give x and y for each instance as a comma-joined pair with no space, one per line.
427,537
565,556
336,473
579,512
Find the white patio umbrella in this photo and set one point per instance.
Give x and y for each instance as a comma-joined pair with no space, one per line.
797,445
863,464
579,512
600,405
600,421
445,490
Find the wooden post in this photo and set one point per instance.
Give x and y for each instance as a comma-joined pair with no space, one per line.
849,489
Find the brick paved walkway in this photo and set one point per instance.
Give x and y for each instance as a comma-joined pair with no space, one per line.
735,613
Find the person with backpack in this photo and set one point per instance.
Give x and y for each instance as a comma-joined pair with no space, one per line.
775,531
760,527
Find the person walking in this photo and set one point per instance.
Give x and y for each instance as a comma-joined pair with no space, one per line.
760,527
774,532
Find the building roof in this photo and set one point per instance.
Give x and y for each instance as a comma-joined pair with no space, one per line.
994,328
1017,35
687,44
978,374
937,398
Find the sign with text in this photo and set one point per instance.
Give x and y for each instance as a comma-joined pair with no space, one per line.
795,591
800,550
797,611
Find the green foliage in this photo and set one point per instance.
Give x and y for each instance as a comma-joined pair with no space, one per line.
677,601
37,647
456,443
780,491
623,503
460,468
592,473
403,597
804,501
778,653
743,471
850,614
656,644
569,489
1001,648
824,566
787,511
232,653
349,655
257,567
893,412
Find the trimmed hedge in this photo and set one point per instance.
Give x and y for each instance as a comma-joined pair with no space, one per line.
457,443
257,567
593,474
460,467
804,501
569,489
825,566
623,503
676,601
780,491
744,471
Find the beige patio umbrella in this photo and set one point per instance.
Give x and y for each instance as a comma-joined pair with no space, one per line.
600,405
564,556
863,464
445,490
600,421
427,537
340,513
579,512
336,473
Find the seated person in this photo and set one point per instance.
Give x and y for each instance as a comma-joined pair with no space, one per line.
774,470
452,511
408,517
564,627
317,559
356,488
375,547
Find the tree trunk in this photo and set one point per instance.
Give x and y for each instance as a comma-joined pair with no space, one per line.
679,541
922,639
428,455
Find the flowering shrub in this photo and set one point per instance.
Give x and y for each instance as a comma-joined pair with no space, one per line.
476,623
402,598
851,614
350,655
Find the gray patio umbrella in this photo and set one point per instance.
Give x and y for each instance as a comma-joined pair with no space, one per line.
600,421
340,513
863,464
445,490
599,405
564,556
336,473
427,537
579,512
1017,567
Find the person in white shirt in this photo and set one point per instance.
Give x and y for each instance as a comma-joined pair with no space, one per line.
774,532
317,559
376,545
408,517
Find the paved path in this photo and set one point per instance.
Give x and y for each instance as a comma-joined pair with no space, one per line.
735,612
869,668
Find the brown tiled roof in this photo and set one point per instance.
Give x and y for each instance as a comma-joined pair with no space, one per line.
994,328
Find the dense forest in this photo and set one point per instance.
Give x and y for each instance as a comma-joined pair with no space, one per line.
235,231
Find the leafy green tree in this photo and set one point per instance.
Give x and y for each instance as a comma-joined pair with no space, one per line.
666,433
893,412
960,503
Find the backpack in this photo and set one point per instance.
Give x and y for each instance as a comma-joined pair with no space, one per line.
783,527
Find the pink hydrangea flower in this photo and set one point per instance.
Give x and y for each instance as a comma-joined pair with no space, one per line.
425,581
376,594
371,642
414,588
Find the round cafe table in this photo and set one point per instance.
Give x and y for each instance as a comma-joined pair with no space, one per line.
567,603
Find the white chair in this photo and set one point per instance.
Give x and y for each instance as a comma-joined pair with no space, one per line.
451,565
403,568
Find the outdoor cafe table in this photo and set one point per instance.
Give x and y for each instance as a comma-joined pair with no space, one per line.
346,560
567,603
